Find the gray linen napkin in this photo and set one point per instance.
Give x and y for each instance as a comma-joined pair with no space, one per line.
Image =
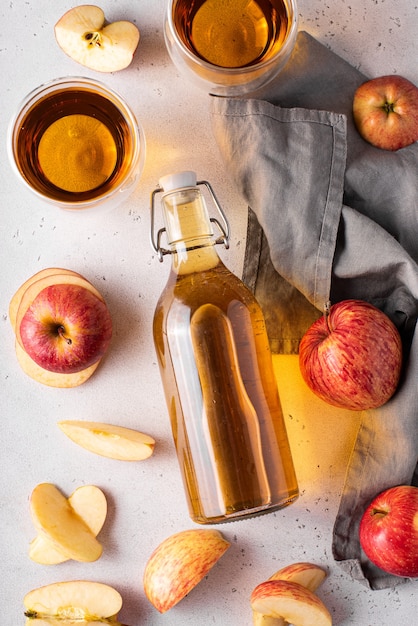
330,218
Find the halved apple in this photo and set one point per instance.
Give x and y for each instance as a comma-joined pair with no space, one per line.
82,33
89,503
291,602
114,442
75,599
307,574
179,563
55,519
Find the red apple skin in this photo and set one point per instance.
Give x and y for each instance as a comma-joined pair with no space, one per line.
179,563
66,329
389,531
385,112
352,357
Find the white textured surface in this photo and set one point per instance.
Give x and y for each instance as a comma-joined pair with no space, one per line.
145,499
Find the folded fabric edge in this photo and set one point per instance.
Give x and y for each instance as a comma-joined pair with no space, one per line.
226,112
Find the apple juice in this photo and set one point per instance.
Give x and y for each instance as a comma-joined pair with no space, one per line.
218,377
232,33
74,144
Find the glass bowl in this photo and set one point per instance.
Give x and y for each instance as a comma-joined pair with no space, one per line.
76,145
232,48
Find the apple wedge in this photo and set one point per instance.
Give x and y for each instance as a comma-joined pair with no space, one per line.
114,442
55,519
291,602
308,575
179,563
17,297
89,503
82,33
75,599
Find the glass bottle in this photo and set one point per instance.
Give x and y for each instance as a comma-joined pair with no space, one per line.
216,369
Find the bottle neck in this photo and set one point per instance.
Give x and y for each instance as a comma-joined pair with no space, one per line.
189,231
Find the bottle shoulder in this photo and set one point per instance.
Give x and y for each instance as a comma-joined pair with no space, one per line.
184,294
215,285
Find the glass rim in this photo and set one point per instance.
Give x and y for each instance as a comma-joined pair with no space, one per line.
67,82
236,71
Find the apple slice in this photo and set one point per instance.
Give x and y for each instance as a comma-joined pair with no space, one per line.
55,519
89,503
308,575
114,442
291,602
82,34
52,379
75,599
179,563
17,297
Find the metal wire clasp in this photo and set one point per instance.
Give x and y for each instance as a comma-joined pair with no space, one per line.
222,224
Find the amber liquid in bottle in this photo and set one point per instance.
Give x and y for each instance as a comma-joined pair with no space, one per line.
218,378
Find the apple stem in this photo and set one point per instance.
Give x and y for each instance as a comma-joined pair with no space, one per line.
327,309
379,512
61,332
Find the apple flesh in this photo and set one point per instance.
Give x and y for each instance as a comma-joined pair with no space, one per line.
388,531
114,442
179,563
89,503
308,575
291,602
59,524
73,600
352,356
385,112
62,325
82,33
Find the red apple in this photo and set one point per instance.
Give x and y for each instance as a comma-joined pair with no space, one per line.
385,111
65,327
389,531
351,357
